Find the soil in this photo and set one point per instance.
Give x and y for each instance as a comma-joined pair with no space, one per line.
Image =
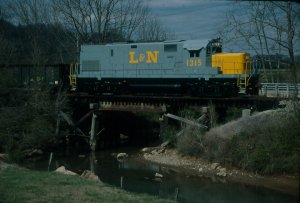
188,165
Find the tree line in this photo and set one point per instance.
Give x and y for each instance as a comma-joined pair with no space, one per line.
40,32
43,32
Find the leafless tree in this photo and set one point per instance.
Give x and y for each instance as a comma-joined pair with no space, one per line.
267,27
6,47
29,12
99,21
129,16
33,14
151,30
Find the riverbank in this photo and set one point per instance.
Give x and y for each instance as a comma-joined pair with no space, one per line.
192,166
22,185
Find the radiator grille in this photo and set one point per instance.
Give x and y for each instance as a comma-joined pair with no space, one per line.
90,65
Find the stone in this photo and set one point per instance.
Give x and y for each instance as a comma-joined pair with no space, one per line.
122,156
213,166
158,151
222,172
200,170
90,175
158,175
146,155
63,170
157,179
145,149
222,169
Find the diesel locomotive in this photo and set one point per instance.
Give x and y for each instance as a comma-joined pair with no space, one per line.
178,67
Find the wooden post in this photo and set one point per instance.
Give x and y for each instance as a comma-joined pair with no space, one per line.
121,182
92,161
265,90
185,120
93,133
276,90
163,122
176,193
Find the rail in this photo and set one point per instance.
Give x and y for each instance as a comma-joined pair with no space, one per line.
283,90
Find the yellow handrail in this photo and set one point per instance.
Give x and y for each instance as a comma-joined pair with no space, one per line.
73,75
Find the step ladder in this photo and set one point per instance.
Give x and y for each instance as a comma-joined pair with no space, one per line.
73,76
242,84
243,79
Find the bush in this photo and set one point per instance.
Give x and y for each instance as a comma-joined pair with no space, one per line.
190,142
169,133
266,143
30,124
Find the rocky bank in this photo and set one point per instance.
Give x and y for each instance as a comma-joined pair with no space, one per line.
188,165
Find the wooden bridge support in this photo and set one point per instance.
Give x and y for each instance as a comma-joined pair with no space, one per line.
94,129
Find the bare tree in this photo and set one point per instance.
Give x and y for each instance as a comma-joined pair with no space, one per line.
151,30
100,21
267,27
129,16
90,19
33,15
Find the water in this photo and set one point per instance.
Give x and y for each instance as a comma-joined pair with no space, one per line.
136,175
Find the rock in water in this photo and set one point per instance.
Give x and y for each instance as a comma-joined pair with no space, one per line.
122,156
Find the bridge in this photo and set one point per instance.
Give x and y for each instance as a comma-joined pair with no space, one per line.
95,105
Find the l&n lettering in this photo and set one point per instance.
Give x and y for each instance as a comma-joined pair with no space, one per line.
151,57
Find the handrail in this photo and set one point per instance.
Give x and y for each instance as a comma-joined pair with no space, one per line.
285,90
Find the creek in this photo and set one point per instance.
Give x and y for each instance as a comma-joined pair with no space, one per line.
137,175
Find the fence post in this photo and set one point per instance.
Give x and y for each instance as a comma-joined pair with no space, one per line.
276,90
265,90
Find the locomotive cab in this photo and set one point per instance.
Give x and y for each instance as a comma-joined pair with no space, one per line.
214,46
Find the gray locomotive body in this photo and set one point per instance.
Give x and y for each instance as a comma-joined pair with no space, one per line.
170,67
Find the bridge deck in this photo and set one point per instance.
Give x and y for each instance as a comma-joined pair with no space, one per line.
154,103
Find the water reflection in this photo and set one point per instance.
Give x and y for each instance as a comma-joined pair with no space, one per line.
139,176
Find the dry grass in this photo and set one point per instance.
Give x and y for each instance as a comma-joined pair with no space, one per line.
265,142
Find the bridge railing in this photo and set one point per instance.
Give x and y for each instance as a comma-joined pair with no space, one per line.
284,90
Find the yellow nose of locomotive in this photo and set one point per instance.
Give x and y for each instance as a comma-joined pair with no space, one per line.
232,63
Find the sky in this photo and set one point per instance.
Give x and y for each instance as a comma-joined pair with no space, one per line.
196,19
191,19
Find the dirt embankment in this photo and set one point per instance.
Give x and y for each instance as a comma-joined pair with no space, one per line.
170,158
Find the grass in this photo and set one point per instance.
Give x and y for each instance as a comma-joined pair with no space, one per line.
22,185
